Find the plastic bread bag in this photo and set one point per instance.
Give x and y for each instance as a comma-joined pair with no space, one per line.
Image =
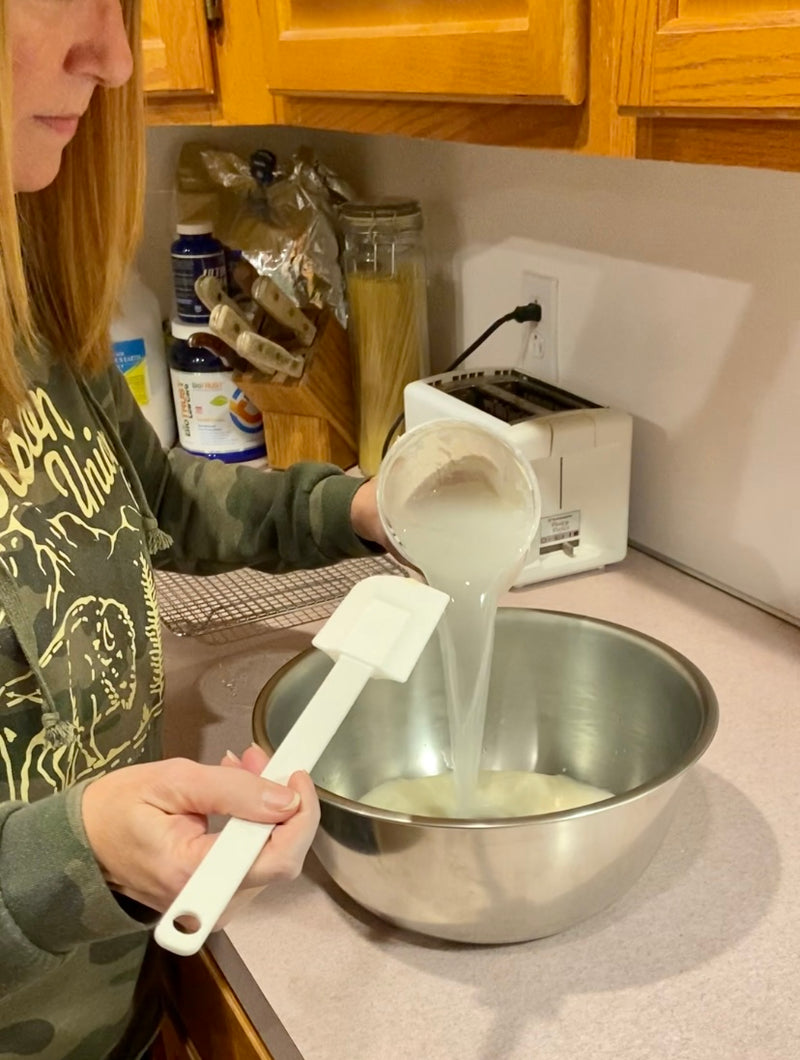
278,219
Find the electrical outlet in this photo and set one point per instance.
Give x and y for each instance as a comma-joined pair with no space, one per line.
539,343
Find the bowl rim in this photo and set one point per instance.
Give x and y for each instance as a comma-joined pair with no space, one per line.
694,752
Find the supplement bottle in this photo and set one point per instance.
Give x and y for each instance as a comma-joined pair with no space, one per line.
193,253
215,418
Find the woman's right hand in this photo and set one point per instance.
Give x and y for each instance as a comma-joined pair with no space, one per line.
147,824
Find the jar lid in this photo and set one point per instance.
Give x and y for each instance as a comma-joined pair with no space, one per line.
365,212
195,228
181,330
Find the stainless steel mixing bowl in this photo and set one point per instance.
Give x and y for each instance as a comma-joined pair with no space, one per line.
605,704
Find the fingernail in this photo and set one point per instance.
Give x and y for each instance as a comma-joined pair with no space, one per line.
233,757
278,801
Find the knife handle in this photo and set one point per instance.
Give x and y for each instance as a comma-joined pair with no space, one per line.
279,306
211,293
267,356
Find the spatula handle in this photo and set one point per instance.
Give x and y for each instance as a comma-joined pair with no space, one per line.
216,879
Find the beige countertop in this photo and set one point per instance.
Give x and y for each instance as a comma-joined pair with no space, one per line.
700,960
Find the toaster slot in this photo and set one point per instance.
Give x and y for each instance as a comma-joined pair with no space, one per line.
509,395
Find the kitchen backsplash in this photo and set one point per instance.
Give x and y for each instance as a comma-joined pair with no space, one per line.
678,300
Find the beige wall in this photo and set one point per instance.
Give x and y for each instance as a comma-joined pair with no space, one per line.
679,300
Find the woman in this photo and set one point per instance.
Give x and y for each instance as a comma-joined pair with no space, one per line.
96,835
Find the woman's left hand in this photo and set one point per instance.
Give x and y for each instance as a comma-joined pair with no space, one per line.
147,824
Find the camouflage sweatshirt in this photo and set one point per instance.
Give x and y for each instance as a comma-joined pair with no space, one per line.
86,495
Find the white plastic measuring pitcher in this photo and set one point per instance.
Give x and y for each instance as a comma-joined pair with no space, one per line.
453,478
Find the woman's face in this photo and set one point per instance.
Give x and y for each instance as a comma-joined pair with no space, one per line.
61,50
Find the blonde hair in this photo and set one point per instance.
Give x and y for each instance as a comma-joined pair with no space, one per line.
64,251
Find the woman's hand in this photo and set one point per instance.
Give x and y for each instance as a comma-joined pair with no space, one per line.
147,824
367,523
364,514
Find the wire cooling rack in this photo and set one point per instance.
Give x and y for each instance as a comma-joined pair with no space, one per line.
222,607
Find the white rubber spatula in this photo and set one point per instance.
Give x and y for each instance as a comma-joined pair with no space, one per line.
378,630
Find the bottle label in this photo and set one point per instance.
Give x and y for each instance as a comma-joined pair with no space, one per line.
214,415
129,355
186,269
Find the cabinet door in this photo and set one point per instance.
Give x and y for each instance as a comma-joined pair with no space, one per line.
206,1019
176,48
502,50
710,56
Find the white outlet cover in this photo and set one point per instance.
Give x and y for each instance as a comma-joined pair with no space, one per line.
539,342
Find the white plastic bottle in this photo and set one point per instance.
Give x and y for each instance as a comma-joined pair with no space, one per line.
138,341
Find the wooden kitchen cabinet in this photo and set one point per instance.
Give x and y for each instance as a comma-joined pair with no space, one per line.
477,71
715,56
712,80
686,80
204,1020
203,70
527,73
490,50
176,48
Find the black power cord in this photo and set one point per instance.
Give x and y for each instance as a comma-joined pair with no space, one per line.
530,313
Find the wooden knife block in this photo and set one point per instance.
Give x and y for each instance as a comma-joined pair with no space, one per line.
313,417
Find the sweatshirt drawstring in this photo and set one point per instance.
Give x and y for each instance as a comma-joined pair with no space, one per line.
57,731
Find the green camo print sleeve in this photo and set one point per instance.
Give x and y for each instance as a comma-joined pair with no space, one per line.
53,897
221,516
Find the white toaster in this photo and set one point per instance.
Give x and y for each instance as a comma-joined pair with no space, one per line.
580,453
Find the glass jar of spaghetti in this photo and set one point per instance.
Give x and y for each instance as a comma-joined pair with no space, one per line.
384,266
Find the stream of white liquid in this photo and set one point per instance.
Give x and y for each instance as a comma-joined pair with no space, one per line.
470,541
